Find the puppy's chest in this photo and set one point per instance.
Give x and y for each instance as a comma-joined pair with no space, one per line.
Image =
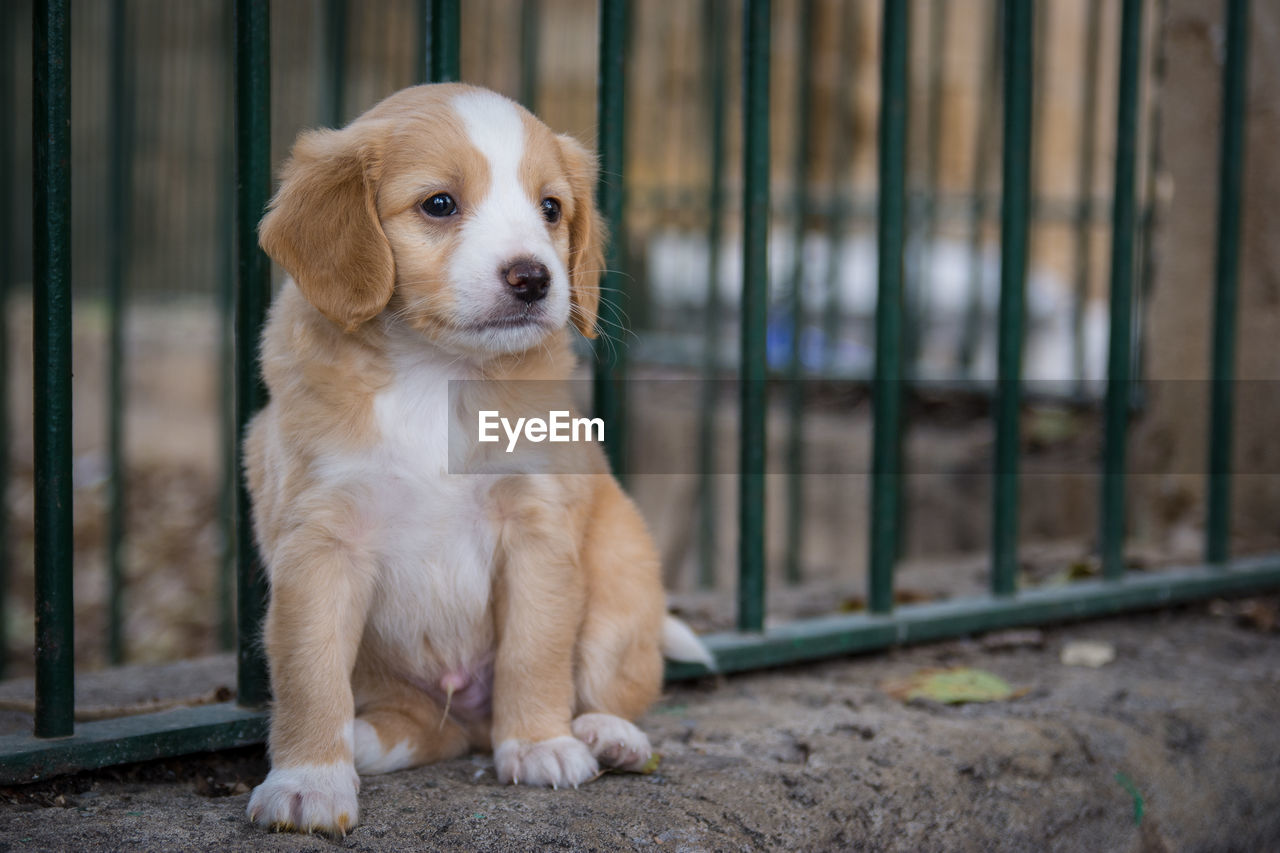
436,536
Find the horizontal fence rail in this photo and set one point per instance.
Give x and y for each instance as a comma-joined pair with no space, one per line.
57,745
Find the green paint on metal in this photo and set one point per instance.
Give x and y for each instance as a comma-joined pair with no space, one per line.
755,295
1132,790
51,297
794,543
442,28
128,739
253,190
1014,218
1120,355
609,370
1226,278
714,29
118,218
530,52
8,48
834,636
886,479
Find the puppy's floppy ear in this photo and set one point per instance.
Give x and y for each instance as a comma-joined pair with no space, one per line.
322,226
587,236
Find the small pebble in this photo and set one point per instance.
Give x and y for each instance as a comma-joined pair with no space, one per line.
1091,653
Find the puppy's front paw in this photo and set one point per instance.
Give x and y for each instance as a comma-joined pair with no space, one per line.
308,798
614,742
557,763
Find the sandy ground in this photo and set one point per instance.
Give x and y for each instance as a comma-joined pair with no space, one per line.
1183,721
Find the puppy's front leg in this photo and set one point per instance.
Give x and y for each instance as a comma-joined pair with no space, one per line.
538,609
320,590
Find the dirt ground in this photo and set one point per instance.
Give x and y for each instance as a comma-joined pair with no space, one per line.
1172,746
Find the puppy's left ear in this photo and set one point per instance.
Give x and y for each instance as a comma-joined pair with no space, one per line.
587,236
323,228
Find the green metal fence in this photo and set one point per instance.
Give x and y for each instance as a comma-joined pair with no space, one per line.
58,745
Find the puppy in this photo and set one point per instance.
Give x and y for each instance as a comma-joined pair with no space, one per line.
430,596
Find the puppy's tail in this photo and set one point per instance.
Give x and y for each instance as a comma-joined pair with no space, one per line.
680,643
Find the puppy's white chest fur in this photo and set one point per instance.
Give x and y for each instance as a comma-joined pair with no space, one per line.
435,538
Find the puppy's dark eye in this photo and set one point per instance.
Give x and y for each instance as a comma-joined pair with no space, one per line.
551,210
440,205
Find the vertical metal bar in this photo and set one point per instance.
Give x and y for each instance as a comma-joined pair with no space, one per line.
715,24
795,385
610,363
7,76
1014,214
336,37
441,40
253,189
886,474
118,224
1120,354
987,108
1226,277
755,294
51,145
530,52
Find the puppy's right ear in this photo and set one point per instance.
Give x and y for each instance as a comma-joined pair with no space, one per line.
322,226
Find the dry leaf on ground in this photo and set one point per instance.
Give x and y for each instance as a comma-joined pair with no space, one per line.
952,686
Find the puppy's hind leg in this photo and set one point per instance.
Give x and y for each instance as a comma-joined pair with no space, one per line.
399,726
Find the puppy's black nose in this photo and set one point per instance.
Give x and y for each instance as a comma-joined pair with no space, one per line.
529,280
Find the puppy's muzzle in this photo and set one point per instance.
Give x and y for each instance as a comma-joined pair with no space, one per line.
529,280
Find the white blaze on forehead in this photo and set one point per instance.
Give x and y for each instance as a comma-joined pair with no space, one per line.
496,130
504,224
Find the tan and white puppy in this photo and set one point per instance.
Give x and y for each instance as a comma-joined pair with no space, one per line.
424,604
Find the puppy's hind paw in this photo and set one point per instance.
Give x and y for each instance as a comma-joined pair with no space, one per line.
307,798
559,762
614,742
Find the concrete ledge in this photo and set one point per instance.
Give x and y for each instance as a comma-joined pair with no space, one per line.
814,758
